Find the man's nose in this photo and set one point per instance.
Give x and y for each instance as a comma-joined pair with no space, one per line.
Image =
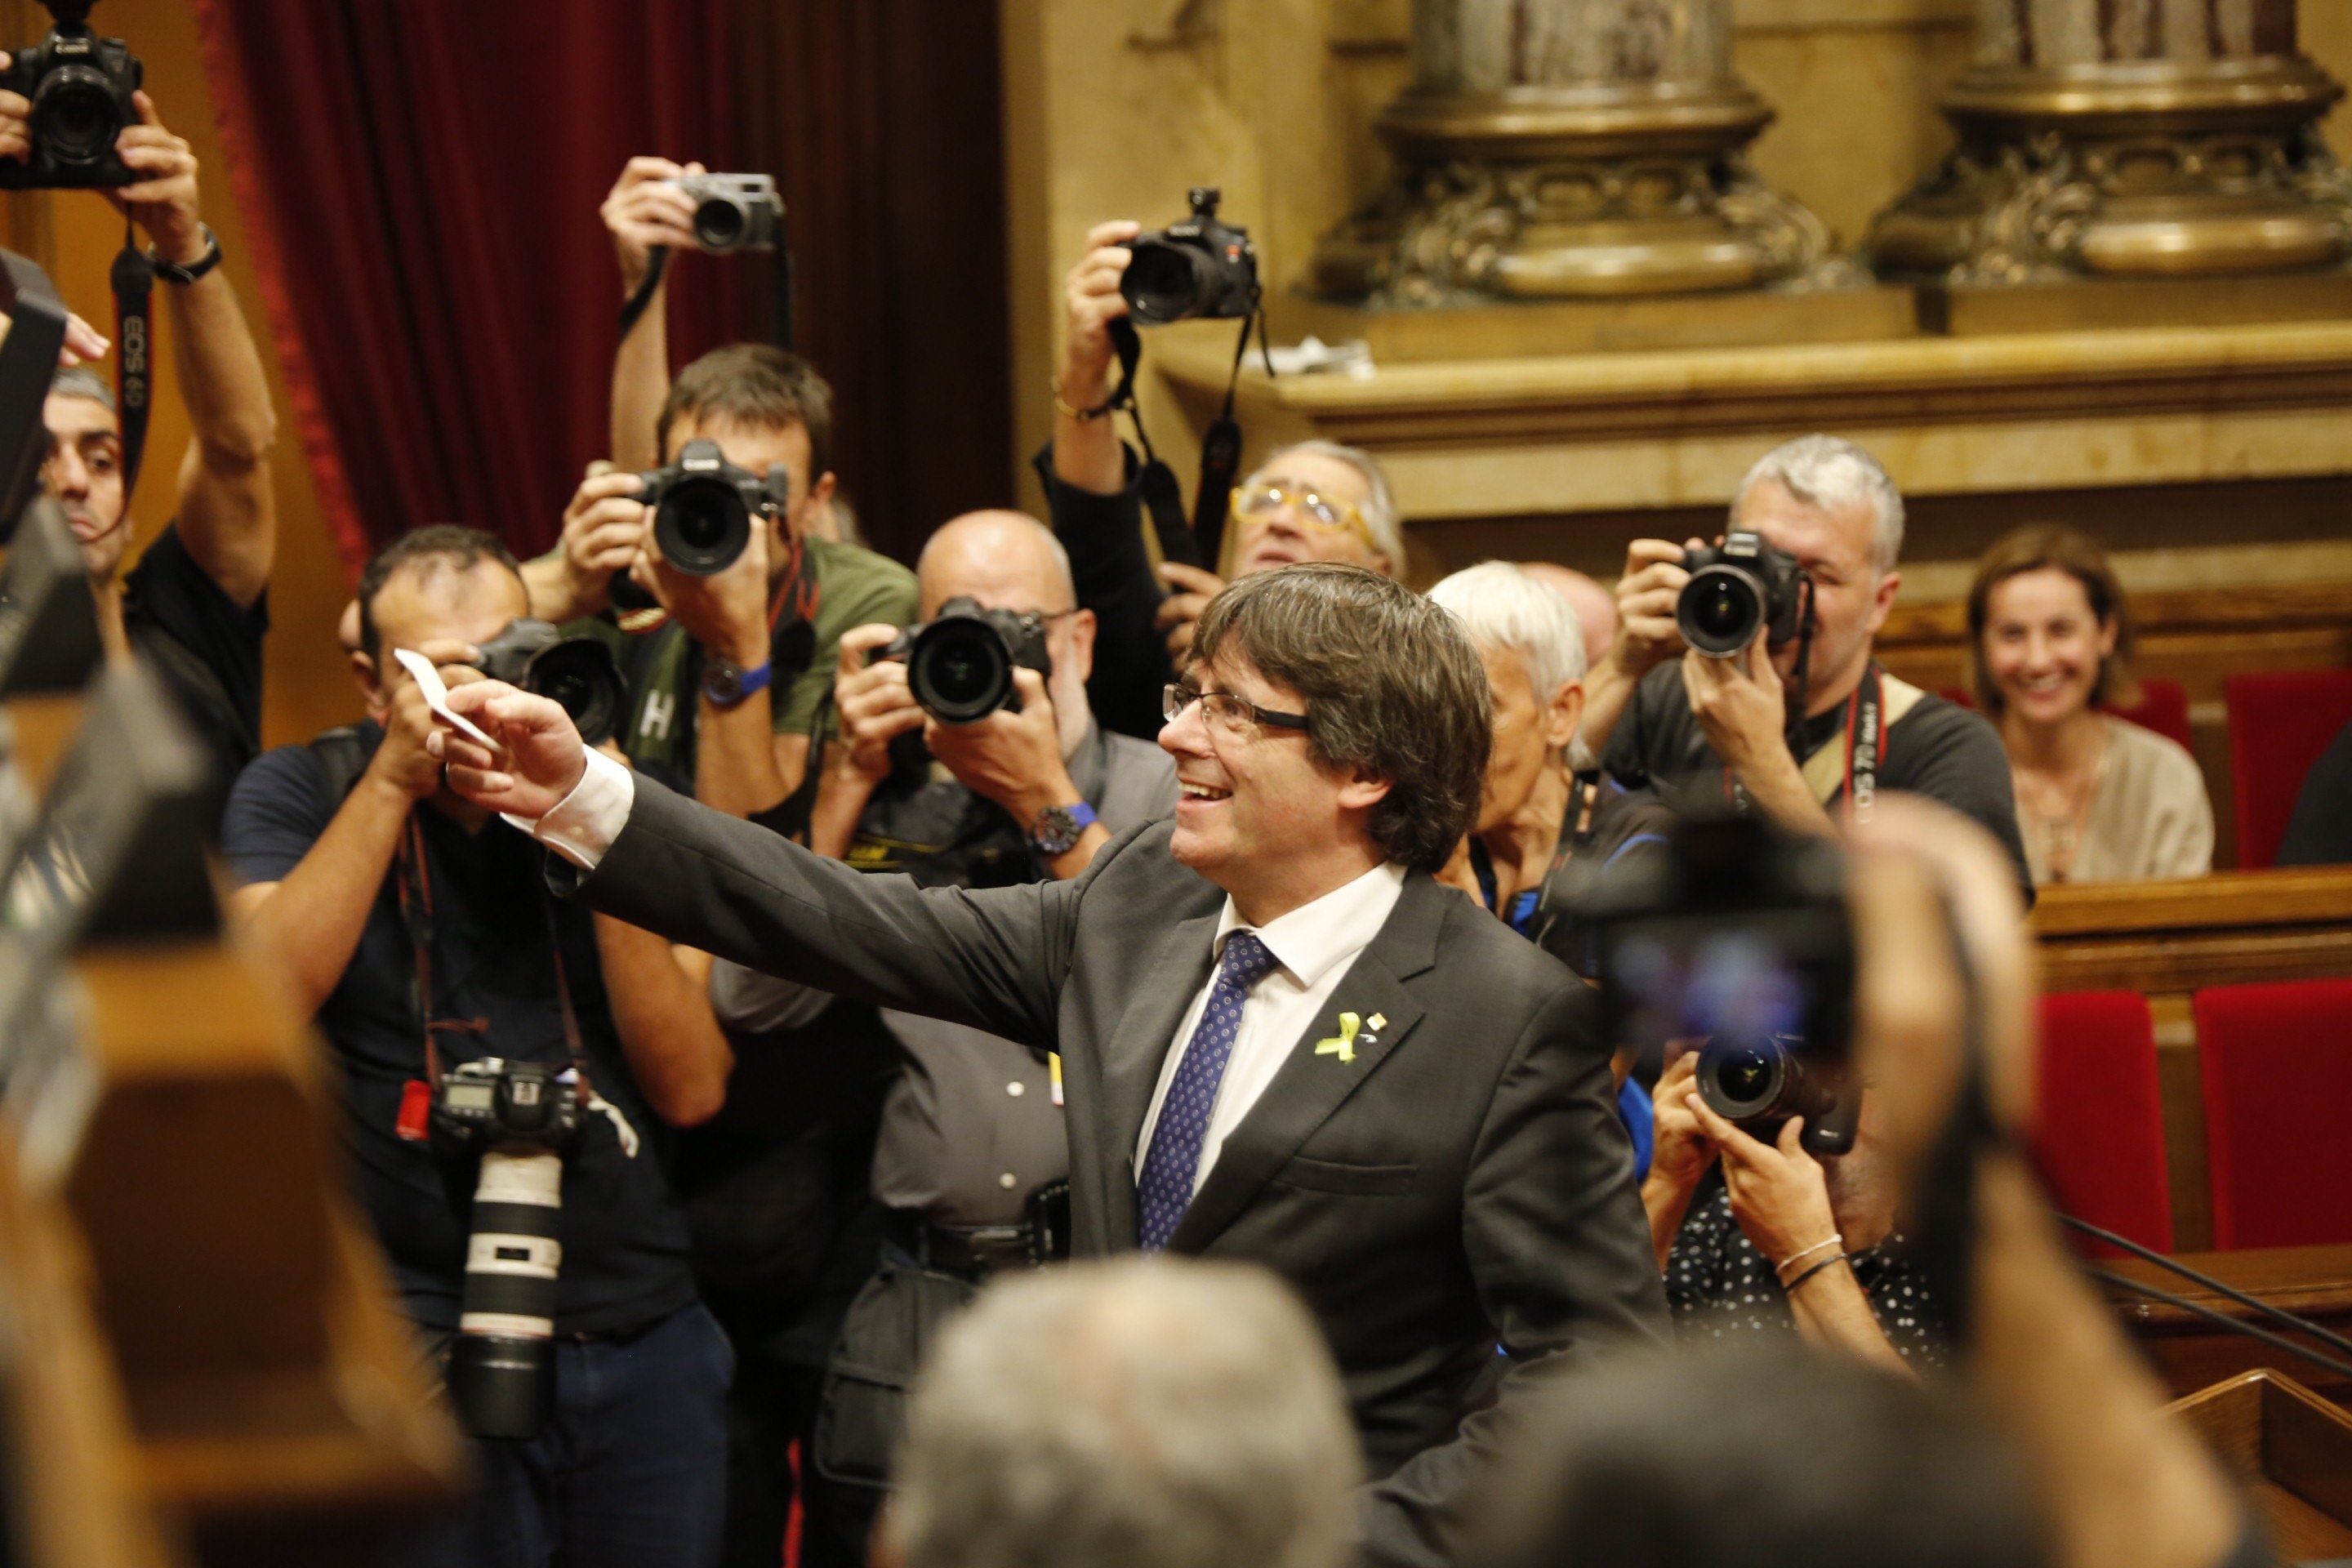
1187,734
67,475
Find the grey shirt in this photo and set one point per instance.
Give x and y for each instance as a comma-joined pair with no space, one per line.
971,1130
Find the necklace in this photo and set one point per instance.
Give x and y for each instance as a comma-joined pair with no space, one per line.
2054,811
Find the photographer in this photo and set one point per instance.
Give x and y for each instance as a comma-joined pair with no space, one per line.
1705,729
195,606
726,687
1316,501
971,1147
1780,1238
377,891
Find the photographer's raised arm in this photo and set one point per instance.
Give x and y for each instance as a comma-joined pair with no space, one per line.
645,208
1086,451
227,505
1647,636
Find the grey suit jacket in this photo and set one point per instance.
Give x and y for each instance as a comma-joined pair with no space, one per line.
1464,1181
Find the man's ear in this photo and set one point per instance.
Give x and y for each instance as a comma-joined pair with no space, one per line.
1082,643
371,684
1883,600
1363,789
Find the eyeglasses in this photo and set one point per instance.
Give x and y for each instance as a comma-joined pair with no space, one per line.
1233,715
1315,511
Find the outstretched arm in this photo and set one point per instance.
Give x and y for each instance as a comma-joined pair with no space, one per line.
645,209
227,505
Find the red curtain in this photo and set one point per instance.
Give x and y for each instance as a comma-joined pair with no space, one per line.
422,178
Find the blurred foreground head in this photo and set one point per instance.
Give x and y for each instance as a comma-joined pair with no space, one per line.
1143,1413
1753,1458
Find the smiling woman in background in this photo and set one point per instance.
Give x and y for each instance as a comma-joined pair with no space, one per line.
2099,799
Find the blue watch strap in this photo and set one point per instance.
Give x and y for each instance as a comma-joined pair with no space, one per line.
745,682
1083,815
755,680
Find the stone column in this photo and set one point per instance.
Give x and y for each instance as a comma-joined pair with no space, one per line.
1566,148
2128,138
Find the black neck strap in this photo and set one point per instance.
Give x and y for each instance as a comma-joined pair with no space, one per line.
780,281
1201,542
134,279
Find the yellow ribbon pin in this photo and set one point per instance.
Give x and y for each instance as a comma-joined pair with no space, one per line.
1344,1048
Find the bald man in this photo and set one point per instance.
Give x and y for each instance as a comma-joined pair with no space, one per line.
1595,606
973,1163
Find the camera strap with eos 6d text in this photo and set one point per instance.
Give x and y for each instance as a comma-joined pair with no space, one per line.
1201,542
134,279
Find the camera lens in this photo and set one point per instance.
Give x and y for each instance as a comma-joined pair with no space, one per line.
701,526
1741,1080
1720,611
1165,282
75,116
719,224
581,676
1744,1075
961,670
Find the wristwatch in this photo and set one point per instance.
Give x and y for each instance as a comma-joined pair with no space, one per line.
1058,828
173,272
726,683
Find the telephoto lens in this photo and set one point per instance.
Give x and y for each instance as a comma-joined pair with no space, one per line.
704,508
580,673
520,1116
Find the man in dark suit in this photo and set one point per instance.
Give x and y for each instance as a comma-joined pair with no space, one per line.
1282,1041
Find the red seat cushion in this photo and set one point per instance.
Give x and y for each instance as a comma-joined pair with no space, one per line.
2163,707
2276,1064
2279,724
2098,1126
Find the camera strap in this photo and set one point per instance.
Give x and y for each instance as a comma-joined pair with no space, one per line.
133,280
1200,542
633,309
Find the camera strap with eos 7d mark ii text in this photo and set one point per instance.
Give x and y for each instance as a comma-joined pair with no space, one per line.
1201,542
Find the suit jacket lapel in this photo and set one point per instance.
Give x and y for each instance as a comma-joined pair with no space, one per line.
1308,1086
1139,1045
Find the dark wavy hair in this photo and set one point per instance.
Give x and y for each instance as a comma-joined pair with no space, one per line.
1392,684
446,546
757,385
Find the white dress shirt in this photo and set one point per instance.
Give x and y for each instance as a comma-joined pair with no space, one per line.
1312,945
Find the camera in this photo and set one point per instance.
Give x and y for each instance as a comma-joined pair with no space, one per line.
1197,269
734,212
80,87
1738,937
703,507
519,1117
578,673
1737,589
960,665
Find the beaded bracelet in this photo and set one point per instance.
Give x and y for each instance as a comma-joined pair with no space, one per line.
1789,1287
1833,1240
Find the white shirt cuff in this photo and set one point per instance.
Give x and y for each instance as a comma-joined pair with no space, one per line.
582,825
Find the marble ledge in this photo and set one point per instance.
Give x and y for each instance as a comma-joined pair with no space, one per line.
2044,411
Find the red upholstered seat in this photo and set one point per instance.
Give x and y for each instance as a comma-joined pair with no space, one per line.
2163,707
2279,724
2276,1062
2099,1132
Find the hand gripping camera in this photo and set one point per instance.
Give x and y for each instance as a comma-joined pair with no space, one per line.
1738,937
80,87
519,1117
734,212
704,506
1197,269
578,673
1737,589
960,666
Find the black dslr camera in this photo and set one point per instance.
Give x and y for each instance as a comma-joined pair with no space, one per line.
703,507
960,666
519,1117
1199,268
80,87
1737,589
578,673
1738,937
734,212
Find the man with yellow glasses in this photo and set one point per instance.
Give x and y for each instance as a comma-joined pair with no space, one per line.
1315,501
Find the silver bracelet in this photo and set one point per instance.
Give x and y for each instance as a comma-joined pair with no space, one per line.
1835,1240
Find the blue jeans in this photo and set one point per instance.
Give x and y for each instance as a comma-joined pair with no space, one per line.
630,1473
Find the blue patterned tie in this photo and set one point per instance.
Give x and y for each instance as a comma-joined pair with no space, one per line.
1166,1189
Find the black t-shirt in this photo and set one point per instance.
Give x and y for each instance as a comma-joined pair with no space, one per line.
1939,749
205,646
625,1240
2320,831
